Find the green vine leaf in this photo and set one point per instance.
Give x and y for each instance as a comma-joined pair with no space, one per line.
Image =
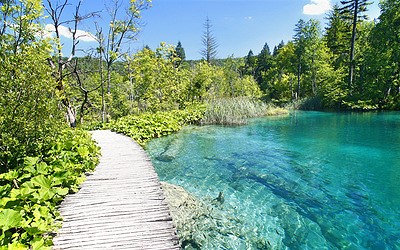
9,218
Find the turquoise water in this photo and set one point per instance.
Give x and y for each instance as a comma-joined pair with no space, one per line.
311,180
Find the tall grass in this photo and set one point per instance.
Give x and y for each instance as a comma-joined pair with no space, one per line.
237,111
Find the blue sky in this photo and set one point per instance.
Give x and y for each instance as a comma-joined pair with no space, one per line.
238,25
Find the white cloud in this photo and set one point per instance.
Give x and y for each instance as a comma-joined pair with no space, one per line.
317,7
248,18
66,32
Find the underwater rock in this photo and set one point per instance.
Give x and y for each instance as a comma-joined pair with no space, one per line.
172,149
206,224
186,212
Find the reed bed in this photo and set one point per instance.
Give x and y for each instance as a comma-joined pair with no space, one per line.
237,111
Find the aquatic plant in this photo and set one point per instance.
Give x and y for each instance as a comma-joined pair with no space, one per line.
237,111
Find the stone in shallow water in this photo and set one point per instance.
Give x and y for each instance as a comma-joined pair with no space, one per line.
208,224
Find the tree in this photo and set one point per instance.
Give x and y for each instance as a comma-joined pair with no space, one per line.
355,10
264,63
383,59
250,64
63,67
119,30
278,47
209,52
307,43
282,88
156,81
337,35
29,115
300,49
180,51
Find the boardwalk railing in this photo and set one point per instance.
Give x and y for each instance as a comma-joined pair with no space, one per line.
119,206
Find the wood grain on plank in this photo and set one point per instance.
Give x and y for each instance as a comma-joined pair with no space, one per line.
121,204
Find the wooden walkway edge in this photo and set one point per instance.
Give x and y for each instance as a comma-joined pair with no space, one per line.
121,204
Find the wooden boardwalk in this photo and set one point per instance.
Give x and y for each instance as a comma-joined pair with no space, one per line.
120,206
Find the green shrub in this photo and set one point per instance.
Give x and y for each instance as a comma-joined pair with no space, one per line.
31,191
146,126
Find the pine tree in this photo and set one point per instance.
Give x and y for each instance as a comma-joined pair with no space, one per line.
209,52
337,35
264,63
180,51
353,9
250,64
278,47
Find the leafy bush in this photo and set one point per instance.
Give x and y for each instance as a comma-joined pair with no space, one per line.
147,126
31,191
237,111
29,115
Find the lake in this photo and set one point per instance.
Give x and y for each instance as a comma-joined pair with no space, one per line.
310,180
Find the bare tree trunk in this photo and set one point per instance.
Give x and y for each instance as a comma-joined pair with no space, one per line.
103,102
291,87
314,76
352,45
108,78
71,115
298,81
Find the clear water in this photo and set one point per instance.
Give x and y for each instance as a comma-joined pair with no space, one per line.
311,180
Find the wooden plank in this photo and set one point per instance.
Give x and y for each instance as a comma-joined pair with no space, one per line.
121,204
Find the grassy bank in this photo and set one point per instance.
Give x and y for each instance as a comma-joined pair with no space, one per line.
229,111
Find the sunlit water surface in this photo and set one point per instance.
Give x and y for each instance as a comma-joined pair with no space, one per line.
310,180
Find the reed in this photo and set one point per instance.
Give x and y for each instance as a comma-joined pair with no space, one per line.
237,111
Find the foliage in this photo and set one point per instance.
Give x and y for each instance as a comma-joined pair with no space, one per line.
29,115
146,126
353,65
237,111
155,83
32,190
382,58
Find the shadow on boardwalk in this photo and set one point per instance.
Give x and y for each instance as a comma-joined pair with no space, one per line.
120,206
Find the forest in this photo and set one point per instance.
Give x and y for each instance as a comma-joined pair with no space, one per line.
351,64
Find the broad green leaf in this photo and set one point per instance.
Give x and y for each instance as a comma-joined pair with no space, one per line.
4,201
41,181
62,191
42,168
11,175
30,161
9,218
45,192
